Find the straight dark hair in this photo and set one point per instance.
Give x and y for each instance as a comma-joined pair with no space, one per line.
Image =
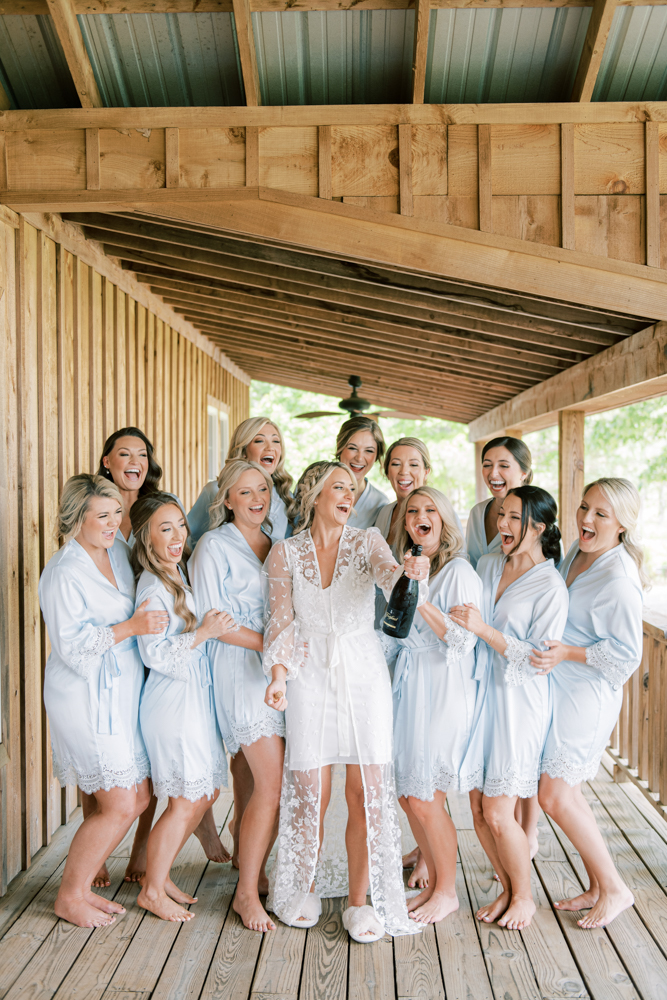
539,507
154,474
518,450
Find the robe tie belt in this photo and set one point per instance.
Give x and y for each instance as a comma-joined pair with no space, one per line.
411,652
108,719
338,678
239,660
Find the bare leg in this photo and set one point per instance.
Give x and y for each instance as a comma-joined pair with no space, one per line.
88,806
242,784
99,834
608,894
355,837
436,835
493,910
207,835
411,859
136,867
530,813
265,759
514,855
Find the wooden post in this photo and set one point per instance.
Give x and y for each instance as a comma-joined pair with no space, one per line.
567,186
484,178
405,168
480,486
570,471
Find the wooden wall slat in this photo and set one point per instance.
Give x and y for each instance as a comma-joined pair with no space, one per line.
140,414
81,298
97,383
120,358
130,361
165,457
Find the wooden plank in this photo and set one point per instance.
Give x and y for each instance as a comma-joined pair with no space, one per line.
120,355
461,960
97,373
324,161
246,44
252,156
81,320
591,57
131,360
142,364
652,154
325,959
570,472
420,49
233,966
93,159
371,975
485,178
365,162
158,391
212,158
288,159
405,168
567,185
133,159
172,167
109,421
186,6
555,970
63,14
418,971
279,966
165,391
149,415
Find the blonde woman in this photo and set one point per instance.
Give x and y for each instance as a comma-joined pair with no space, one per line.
360,444
435,692
329,673
226,574
92,685
600,650
177,713
257,440
407,465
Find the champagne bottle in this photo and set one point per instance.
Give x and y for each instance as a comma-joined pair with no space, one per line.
402,604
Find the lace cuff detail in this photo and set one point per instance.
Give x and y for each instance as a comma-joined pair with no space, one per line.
459,640
518,669
288,649
614,670
102,640
177,662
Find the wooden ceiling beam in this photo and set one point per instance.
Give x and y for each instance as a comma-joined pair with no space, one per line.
35,7
245,39
63,13
420,49
597,34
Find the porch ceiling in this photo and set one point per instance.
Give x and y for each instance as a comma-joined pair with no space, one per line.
287,314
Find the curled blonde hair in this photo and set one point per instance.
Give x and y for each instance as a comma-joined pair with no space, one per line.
302,509
243,436
360,423
232,471
450,544
408,442
626,505
74,504
142,556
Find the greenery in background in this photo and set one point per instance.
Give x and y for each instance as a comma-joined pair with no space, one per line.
452,454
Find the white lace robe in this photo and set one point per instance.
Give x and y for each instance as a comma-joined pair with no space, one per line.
339,711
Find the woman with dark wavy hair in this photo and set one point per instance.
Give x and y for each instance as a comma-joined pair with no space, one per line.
128,460
524,606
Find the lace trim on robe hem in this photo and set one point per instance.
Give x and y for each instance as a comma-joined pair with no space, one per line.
104,778
517,667
472,782
511,784
175,787
177,664
442,780
244,736
459,640
615,671
560,766
83,660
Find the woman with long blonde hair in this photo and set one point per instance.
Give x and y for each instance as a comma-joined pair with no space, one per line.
259,440
226,573
601,648
177,713
435,693
328,671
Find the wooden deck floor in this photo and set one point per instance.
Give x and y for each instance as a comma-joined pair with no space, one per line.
213,956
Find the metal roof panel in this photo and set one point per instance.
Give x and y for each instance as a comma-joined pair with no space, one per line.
33,69
634,65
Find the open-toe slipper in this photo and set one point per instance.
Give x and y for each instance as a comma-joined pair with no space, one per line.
362,925
311,910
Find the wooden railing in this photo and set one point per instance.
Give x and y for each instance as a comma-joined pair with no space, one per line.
638,744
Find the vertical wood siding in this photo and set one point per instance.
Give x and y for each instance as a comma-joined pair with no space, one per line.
79,358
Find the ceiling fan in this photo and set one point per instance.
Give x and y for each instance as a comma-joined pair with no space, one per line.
354,406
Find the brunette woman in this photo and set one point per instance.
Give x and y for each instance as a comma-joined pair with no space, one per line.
92,685
601,649
177,711
506,464
360,444
524,604
226,573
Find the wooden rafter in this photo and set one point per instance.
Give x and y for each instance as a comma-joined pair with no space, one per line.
245,39
204,6
420,49
63,13
594,43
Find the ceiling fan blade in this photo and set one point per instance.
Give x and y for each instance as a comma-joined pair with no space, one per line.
315,414
396,415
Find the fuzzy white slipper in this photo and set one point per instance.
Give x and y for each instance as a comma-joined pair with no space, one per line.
359,920
310,912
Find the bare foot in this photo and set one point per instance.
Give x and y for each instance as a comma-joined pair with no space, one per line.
81,913
519,914
533,844
419,900
101,880
213,846
607,908
585,901
252,913
436,908
106,905
493,910
136,868
177,894
419,877
411,859
231,826
163,907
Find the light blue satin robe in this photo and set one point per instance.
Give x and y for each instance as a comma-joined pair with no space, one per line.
177,712
605,616
514,712
92,685
198,518
367,507
476,543
227,575
435,690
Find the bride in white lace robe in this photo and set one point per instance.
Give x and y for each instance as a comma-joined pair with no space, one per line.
320,646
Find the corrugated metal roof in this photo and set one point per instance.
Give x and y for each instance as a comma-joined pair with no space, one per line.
495,56
163,60
334,57
634,65
33,69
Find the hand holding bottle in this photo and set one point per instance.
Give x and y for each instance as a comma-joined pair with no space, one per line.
416,567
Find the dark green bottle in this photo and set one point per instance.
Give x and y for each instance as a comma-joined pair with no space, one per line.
402,604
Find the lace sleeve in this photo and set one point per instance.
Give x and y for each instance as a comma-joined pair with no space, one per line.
386,572
83,657
459,640
517,655
617,620
281,640
603,657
